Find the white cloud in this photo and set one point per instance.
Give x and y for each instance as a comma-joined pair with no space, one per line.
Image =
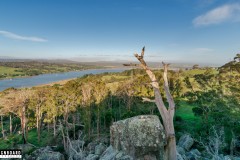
18,37
219,15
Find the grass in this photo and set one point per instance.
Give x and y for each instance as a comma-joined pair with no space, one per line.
186,121
9,72
114,77
185,111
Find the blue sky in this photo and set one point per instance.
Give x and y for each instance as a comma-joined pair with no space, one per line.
197,31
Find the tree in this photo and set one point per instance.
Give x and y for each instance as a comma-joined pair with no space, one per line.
195,66
167,113
38,101
23,100
18,101
237,57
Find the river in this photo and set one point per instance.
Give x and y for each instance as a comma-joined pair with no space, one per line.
49,78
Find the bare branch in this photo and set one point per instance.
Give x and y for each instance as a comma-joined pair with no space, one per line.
148,100
166,87
143,50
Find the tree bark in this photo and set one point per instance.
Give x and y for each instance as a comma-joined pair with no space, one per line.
54,127
167,114
98,122
23,124
3,133
10,123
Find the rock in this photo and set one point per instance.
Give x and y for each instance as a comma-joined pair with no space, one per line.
26,148
108,154
126,158
119,155
180,150
227,158
99,149
139,136
92,157
195,152
50,156
179,156
45,153
185,142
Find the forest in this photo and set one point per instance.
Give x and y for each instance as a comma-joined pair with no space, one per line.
207,107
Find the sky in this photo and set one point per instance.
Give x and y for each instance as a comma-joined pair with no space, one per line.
196,31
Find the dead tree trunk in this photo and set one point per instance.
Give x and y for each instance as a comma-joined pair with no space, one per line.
167,113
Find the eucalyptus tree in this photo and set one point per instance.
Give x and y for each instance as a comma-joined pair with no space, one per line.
51,108
37,102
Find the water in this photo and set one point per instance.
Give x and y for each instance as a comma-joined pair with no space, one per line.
49,78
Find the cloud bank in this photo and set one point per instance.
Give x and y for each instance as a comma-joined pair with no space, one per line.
18,37
227,12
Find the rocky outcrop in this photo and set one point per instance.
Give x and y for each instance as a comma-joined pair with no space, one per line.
45,153
140,137
186,142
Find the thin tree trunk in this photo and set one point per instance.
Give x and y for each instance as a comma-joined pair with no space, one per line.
74,126
89,122
54,127
3,134
37,124
10,123
98,127
23,124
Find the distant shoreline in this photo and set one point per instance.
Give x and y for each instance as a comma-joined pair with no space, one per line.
53,78
17,77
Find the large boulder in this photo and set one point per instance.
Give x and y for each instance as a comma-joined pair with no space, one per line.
140,137
186,142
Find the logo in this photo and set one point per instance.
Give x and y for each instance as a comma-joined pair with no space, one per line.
10,153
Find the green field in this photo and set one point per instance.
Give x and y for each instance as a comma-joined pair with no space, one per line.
8,72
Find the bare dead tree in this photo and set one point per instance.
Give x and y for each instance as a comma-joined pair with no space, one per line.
215,143
167,113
